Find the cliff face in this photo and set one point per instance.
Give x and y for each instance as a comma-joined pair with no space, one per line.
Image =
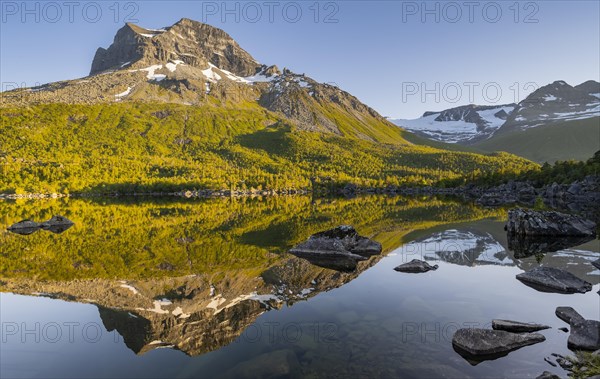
194,43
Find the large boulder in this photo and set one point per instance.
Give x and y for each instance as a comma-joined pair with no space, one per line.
548,223
339,248
24,227
490,343
550,279
516,326
416,266
585,335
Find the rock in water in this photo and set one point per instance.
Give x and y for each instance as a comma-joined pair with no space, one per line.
547,375
339,248
491,343
549,223
24,227
567,314
416,266
596,263
585,335
550,279
516,326
57,224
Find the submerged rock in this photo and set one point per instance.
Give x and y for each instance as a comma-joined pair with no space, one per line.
516,326
585,335
24,227
339,248
490,344
550,279
416,266
548,223
567,314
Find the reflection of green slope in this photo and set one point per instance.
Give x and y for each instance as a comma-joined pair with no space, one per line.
132,241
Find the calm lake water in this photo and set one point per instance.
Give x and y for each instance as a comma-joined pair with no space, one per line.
204,288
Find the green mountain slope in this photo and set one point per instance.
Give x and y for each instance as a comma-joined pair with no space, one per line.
561,141
140,147
185,107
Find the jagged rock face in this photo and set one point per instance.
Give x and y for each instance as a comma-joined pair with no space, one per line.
189,41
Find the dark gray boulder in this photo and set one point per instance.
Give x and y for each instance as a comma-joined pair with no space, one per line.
585,335
415,266
550,279
339,248
596,263
548,223
516,326
24,227
490,343
567,314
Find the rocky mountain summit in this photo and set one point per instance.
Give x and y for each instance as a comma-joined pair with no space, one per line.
193,63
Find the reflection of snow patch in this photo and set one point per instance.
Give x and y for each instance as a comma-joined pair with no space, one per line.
218,300
457,246
179,312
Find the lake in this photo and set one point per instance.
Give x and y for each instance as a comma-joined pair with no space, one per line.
160,288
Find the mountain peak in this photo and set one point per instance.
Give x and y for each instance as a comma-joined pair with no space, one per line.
195,43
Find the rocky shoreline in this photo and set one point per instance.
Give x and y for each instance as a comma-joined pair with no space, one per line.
566,196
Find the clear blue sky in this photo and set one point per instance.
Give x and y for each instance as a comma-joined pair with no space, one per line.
380,51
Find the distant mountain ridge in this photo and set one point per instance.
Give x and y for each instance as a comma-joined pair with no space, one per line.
469,124
556,122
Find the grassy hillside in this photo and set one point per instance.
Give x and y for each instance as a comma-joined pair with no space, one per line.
563,141
139,147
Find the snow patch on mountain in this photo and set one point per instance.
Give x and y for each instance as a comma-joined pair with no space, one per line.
455,131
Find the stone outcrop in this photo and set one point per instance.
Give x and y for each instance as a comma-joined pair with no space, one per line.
525,222
192,42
